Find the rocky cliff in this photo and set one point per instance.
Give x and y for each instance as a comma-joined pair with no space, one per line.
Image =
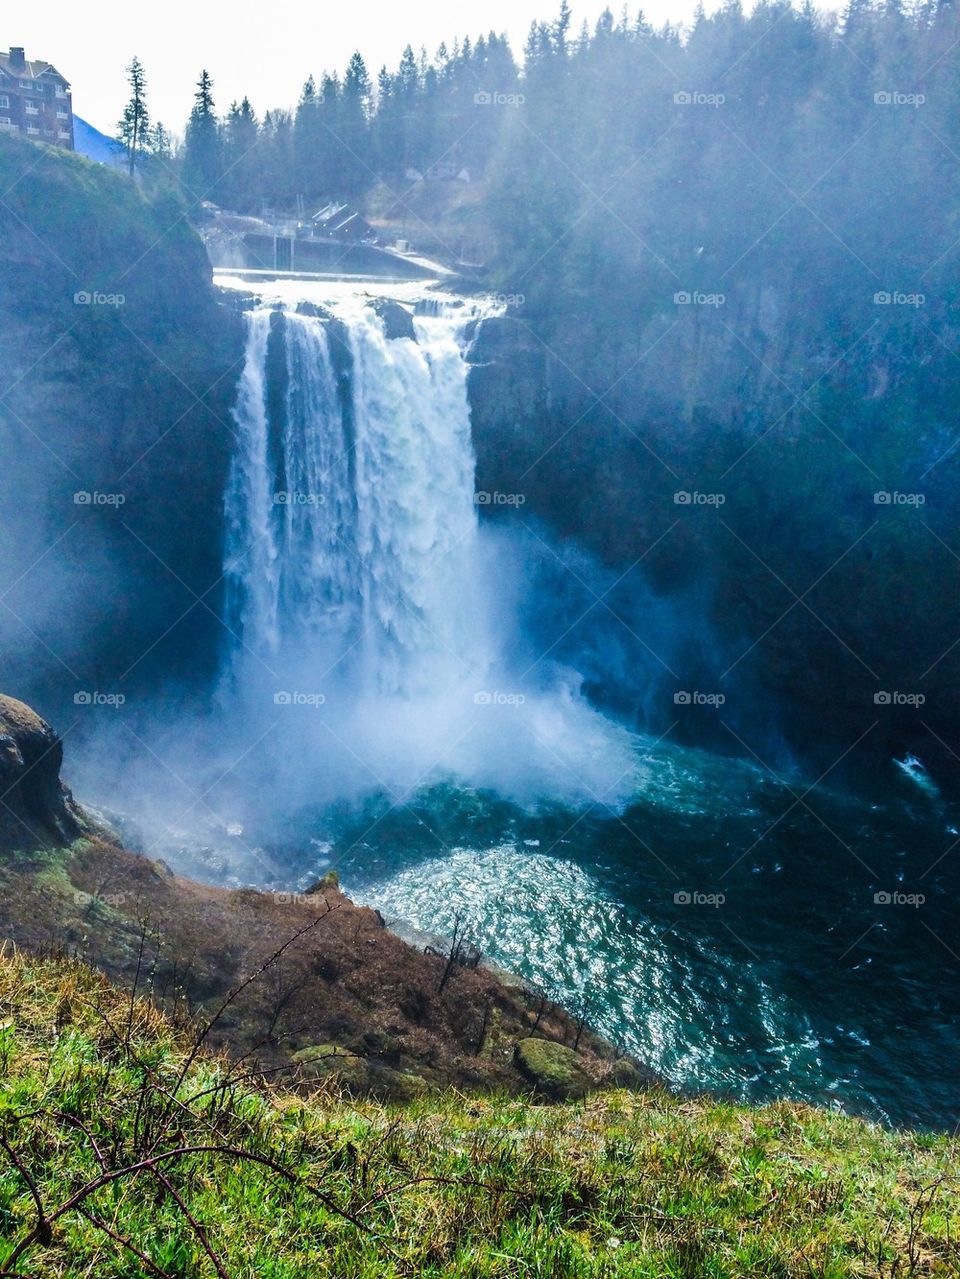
800,474
117,370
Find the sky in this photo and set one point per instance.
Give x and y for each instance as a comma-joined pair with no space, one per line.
264,50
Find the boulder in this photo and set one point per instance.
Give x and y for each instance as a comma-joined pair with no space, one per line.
555,1071
36,809
397,320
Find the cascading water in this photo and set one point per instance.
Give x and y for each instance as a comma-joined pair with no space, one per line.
357,575
351,520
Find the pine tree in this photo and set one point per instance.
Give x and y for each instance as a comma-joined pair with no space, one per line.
353,128
161,144
202,164
134,126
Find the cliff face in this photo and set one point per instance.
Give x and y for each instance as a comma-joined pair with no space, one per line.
795,468
117,369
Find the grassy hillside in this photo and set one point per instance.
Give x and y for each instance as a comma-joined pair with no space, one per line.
124,1154
386,1018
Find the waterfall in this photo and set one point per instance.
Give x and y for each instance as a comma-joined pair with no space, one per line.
363,598
351,524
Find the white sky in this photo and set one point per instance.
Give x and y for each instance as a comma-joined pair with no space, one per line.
266,50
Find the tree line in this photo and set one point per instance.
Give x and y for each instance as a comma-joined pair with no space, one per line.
346,131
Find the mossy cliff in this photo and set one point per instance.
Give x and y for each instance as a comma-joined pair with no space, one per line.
117,369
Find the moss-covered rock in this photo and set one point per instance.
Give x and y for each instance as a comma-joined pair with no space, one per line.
554,1070
326,882
331,1061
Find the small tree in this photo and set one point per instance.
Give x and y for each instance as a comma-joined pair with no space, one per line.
161,144
134,126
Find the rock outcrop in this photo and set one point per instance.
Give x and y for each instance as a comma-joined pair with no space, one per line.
397,320
35,807
555,1071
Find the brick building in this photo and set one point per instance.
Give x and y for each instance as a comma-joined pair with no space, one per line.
35,100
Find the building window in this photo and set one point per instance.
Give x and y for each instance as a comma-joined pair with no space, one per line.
63,115
32,108
4,100
65,135
61,91
28,85
5,122
33,130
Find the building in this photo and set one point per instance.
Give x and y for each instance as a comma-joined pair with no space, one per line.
35,100
340,222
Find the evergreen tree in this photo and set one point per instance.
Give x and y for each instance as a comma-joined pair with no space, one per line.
202,162
352,132
241,177
134,126
161,144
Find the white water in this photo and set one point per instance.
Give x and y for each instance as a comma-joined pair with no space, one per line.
370,616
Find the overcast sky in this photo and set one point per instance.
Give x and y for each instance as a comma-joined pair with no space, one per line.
265,50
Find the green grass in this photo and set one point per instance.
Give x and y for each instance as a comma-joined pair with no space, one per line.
622,1184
